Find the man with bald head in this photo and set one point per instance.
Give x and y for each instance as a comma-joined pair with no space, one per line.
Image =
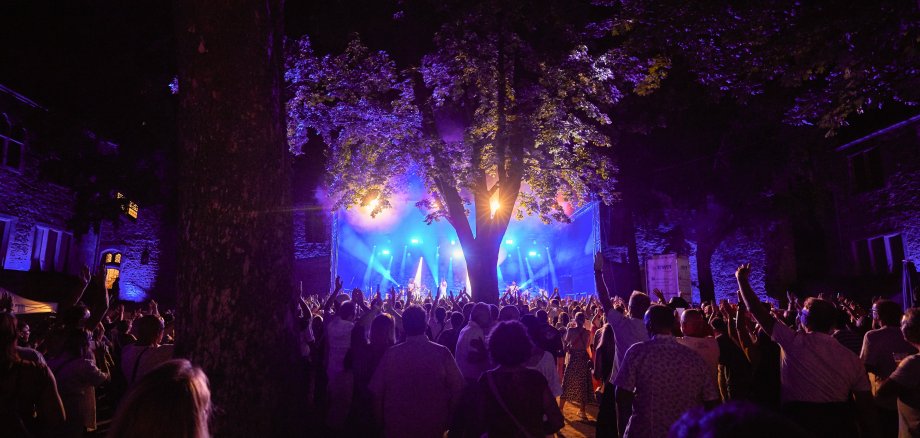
696,337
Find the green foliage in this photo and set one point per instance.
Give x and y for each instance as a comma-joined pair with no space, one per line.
511,103
836,57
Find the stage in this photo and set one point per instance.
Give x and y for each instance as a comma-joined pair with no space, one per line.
397,248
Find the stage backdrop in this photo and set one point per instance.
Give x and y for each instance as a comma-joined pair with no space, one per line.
397,246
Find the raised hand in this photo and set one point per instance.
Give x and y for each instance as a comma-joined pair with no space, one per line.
85,275
658,294
338,283
743,272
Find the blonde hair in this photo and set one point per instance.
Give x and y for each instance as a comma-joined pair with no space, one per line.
173,400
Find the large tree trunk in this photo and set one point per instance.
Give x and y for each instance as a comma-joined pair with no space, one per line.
482,266
235,250
704,252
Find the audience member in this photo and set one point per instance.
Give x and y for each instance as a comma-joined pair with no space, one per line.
882,349
576,381
819,375
660,379
904,382
628,329
77,377
417,384
29,401
515,401
696,337
172,400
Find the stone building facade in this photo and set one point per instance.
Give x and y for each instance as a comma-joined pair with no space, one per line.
35,211
877,199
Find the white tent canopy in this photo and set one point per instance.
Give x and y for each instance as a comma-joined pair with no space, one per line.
24,305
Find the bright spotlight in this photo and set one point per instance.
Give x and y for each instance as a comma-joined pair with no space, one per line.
532,253
494,205
373,203
509,242
415,241
418,274
457,253
385,252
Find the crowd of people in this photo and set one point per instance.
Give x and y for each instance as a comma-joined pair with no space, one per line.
52,380
410,364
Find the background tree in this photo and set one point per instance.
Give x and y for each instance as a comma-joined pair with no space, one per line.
500,118
775,77
836,58
236,247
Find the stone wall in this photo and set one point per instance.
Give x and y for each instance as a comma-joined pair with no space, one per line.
143,251
893,208
25,202
745,245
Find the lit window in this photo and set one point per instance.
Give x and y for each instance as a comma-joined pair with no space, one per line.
111,276
129,207
132,209
111,260
111,257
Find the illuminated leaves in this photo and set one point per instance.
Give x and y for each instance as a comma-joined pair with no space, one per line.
518,96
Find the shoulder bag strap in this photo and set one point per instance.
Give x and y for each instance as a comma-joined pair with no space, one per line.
501,402
137,363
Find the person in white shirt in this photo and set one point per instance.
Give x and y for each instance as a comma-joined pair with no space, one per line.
143,356
628,329
904,382
338,342
819,376
693,326
437,322
472,357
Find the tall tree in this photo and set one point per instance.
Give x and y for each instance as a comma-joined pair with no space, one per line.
235,247
836,58
502,118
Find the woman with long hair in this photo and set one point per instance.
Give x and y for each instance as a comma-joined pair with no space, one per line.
364,361
172,400
576,379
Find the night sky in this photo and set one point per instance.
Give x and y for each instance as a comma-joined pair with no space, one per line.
107,63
